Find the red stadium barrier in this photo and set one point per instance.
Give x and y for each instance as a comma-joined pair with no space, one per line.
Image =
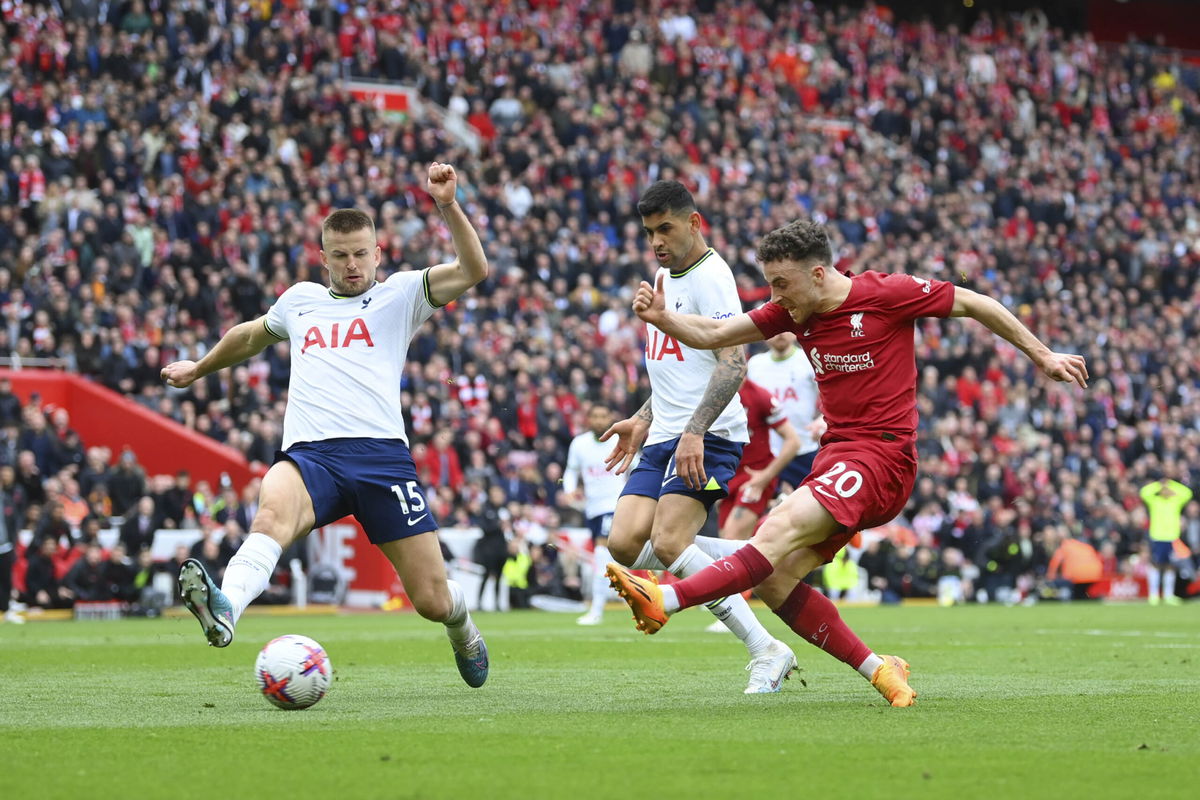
371,581
103,417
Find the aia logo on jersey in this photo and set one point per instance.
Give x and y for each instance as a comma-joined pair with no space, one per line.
786,395
660,346
356,331
856,328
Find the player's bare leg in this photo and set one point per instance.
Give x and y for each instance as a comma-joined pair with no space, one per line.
678,519
816,620
285,513
788,527
630,546
740,524
629,537
784,535
418,561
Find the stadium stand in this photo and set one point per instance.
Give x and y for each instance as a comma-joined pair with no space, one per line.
164,169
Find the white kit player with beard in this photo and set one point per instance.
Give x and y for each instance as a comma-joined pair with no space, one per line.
345,448
693,428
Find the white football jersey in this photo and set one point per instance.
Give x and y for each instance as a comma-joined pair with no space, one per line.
678,374
348,357
585,464
793,384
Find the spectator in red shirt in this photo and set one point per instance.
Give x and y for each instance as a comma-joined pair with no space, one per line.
442,462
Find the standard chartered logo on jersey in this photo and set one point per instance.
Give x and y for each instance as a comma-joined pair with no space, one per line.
839,362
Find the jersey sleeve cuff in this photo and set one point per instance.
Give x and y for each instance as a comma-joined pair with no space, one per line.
273,333
425,288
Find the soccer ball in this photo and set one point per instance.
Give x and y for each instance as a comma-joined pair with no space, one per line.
293,672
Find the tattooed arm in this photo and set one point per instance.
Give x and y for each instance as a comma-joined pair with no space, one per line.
722,386
631,434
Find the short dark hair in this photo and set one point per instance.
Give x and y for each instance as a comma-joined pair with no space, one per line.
346,220
802,241
666,197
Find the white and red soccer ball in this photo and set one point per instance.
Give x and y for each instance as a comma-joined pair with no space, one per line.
293,672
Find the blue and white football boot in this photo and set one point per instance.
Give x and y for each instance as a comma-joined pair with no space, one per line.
472,661
207,603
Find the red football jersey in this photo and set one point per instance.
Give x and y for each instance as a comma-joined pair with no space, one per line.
762,414
863,352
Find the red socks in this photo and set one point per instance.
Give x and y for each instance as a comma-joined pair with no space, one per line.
814,617
745,569
806,611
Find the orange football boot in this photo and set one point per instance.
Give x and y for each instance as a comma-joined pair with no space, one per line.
891,681
643,595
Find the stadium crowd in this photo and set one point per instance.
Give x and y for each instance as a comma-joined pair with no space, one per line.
165,166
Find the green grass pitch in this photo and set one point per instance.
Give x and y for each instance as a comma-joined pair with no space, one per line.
1057,701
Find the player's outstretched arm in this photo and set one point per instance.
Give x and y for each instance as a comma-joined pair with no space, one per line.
448,281
239,343
693,330
1066,367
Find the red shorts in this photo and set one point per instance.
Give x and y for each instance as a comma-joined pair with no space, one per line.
734,498
862,484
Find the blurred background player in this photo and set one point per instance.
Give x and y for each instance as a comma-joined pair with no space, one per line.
784,371
693,427
1165,500
345,448
757,477
587,480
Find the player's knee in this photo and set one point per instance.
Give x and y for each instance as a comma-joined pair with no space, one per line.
781,534
800,521
668,549
623,551
267,521
774,528
432,605
739,524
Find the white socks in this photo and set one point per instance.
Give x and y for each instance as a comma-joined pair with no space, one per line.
734,611
1153,578
646,559
1168,583
600,560
868,667
713,548
670,599
249,571
458,623
719,548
